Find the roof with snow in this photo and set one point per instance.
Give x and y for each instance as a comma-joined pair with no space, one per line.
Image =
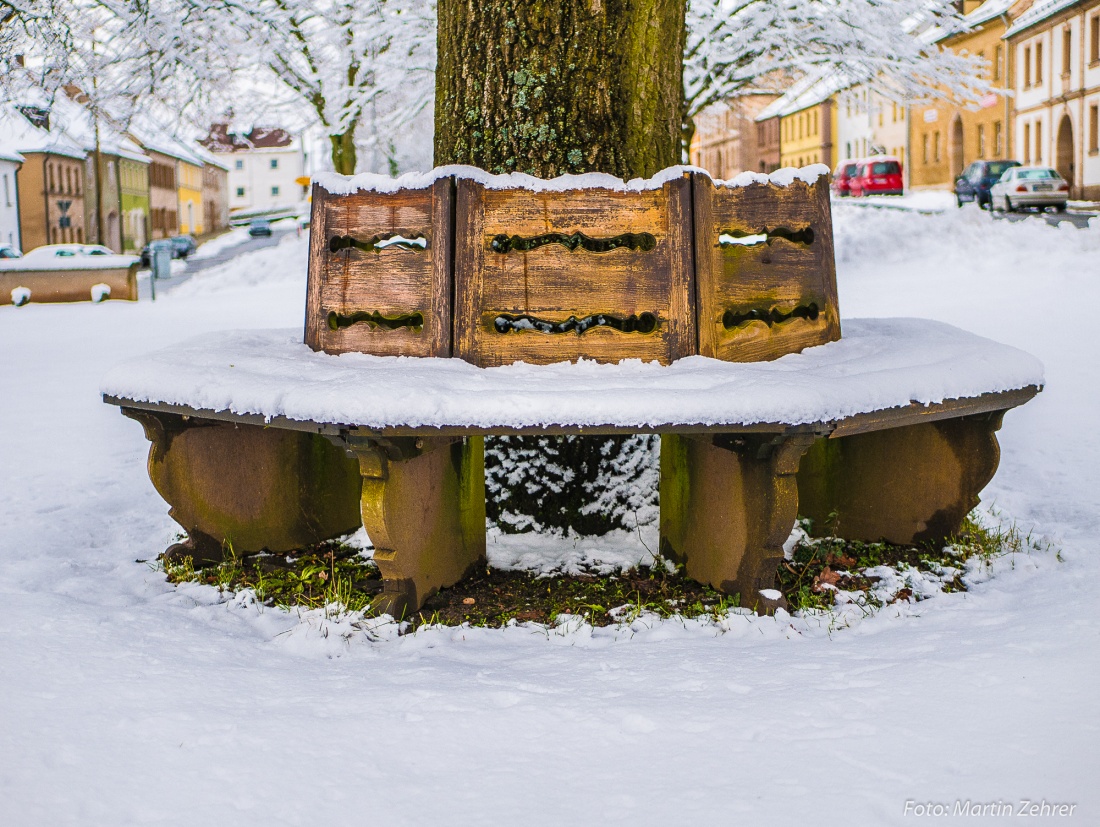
155,138
1039,11
809,91
221,139
987,11
69,113
21,136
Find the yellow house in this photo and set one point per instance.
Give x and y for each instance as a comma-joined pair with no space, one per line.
807,121
948,134
189,186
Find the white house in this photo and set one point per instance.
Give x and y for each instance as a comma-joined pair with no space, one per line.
10,161
264,167
1055,48
869,124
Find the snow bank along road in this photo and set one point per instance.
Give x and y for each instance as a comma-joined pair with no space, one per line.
124,701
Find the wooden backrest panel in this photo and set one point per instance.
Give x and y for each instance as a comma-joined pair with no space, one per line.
368,294
776,294
551,276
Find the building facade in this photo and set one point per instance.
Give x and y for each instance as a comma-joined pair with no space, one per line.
163,195
215,192
51,186
134,203
947,135
10,162
807,118
726,140
265,166
189,188
1055,47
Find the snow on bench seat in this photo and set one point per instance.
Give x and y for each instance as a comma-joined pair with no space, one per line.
879,364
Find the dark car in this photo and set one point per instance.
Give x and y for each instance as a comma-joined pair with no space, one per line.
842,177
878,175
258,227
182,247
976,180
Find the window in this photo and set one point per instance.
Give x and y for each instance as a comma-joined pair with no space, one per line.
7,194
274,163
981,59
1067,49
936,145
1038,63
1027,67
924,146
1038,142
981,140
240,192
998,57
1094,129
1027,143
1094,45
998,147
239,164
274,190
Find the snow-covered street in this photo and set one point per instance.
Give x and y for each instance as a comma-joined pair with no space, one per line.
126,700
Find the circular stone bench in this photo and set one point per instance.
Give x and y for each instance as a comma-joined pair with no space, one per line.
260,441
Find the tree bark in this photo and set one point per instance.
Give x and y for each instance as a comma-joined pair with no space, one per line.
549,88
553,87
343,151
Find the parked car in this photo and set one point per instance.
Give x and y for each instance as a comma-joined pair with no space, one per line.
69,257
52,252
842,177
258,227
9,251
877,175
182,247
1029,187
977,179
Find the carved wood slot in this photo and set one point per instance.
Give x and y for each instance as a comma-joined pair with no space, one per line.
741,238
635,323
412,321
505,243
415,242
773,316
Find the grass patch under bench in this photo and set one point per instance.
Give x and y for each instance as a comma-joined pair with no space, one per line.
819,574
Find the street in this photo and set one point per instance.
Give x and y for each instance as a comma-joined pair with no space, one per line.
280,229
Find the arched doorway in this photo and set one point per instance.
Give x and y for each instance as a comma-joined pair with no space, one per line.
956,150
1064,162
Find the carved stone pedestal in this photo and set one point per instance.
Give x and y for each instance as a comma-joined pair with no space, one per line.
423,506
249,487
902,485
728,503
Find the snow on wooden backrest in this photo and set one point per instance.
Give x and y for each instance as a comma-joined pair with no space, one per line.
500,269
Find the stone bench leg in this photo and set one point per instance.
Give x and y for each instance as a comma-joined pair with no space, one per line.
248,487
902,485
423,506
727,506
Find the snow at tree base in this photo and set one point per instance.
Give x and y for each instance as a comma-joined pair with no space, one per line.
129,701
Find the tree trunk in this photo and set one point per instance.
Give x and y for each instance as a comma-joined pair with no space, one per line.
553,87
343,151
548,88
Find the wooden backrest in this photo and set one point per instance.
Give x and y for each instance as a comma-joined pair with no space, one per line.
495,276
765,273
548,276
380,273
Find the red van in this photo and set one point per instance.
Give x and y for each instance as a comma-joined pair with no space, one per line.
842,177
878,175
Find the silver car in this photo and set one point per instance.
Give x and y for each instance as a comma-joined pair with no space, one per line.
1022,187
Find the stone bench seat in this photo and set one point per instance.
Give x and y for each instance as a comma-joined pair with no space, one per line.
260,442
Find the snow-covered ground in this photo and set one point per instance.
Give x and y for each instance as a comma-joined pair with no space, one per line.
126,701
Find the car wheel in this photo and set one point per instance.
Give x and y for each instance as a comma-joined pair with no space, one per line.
1008,205
1059,207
